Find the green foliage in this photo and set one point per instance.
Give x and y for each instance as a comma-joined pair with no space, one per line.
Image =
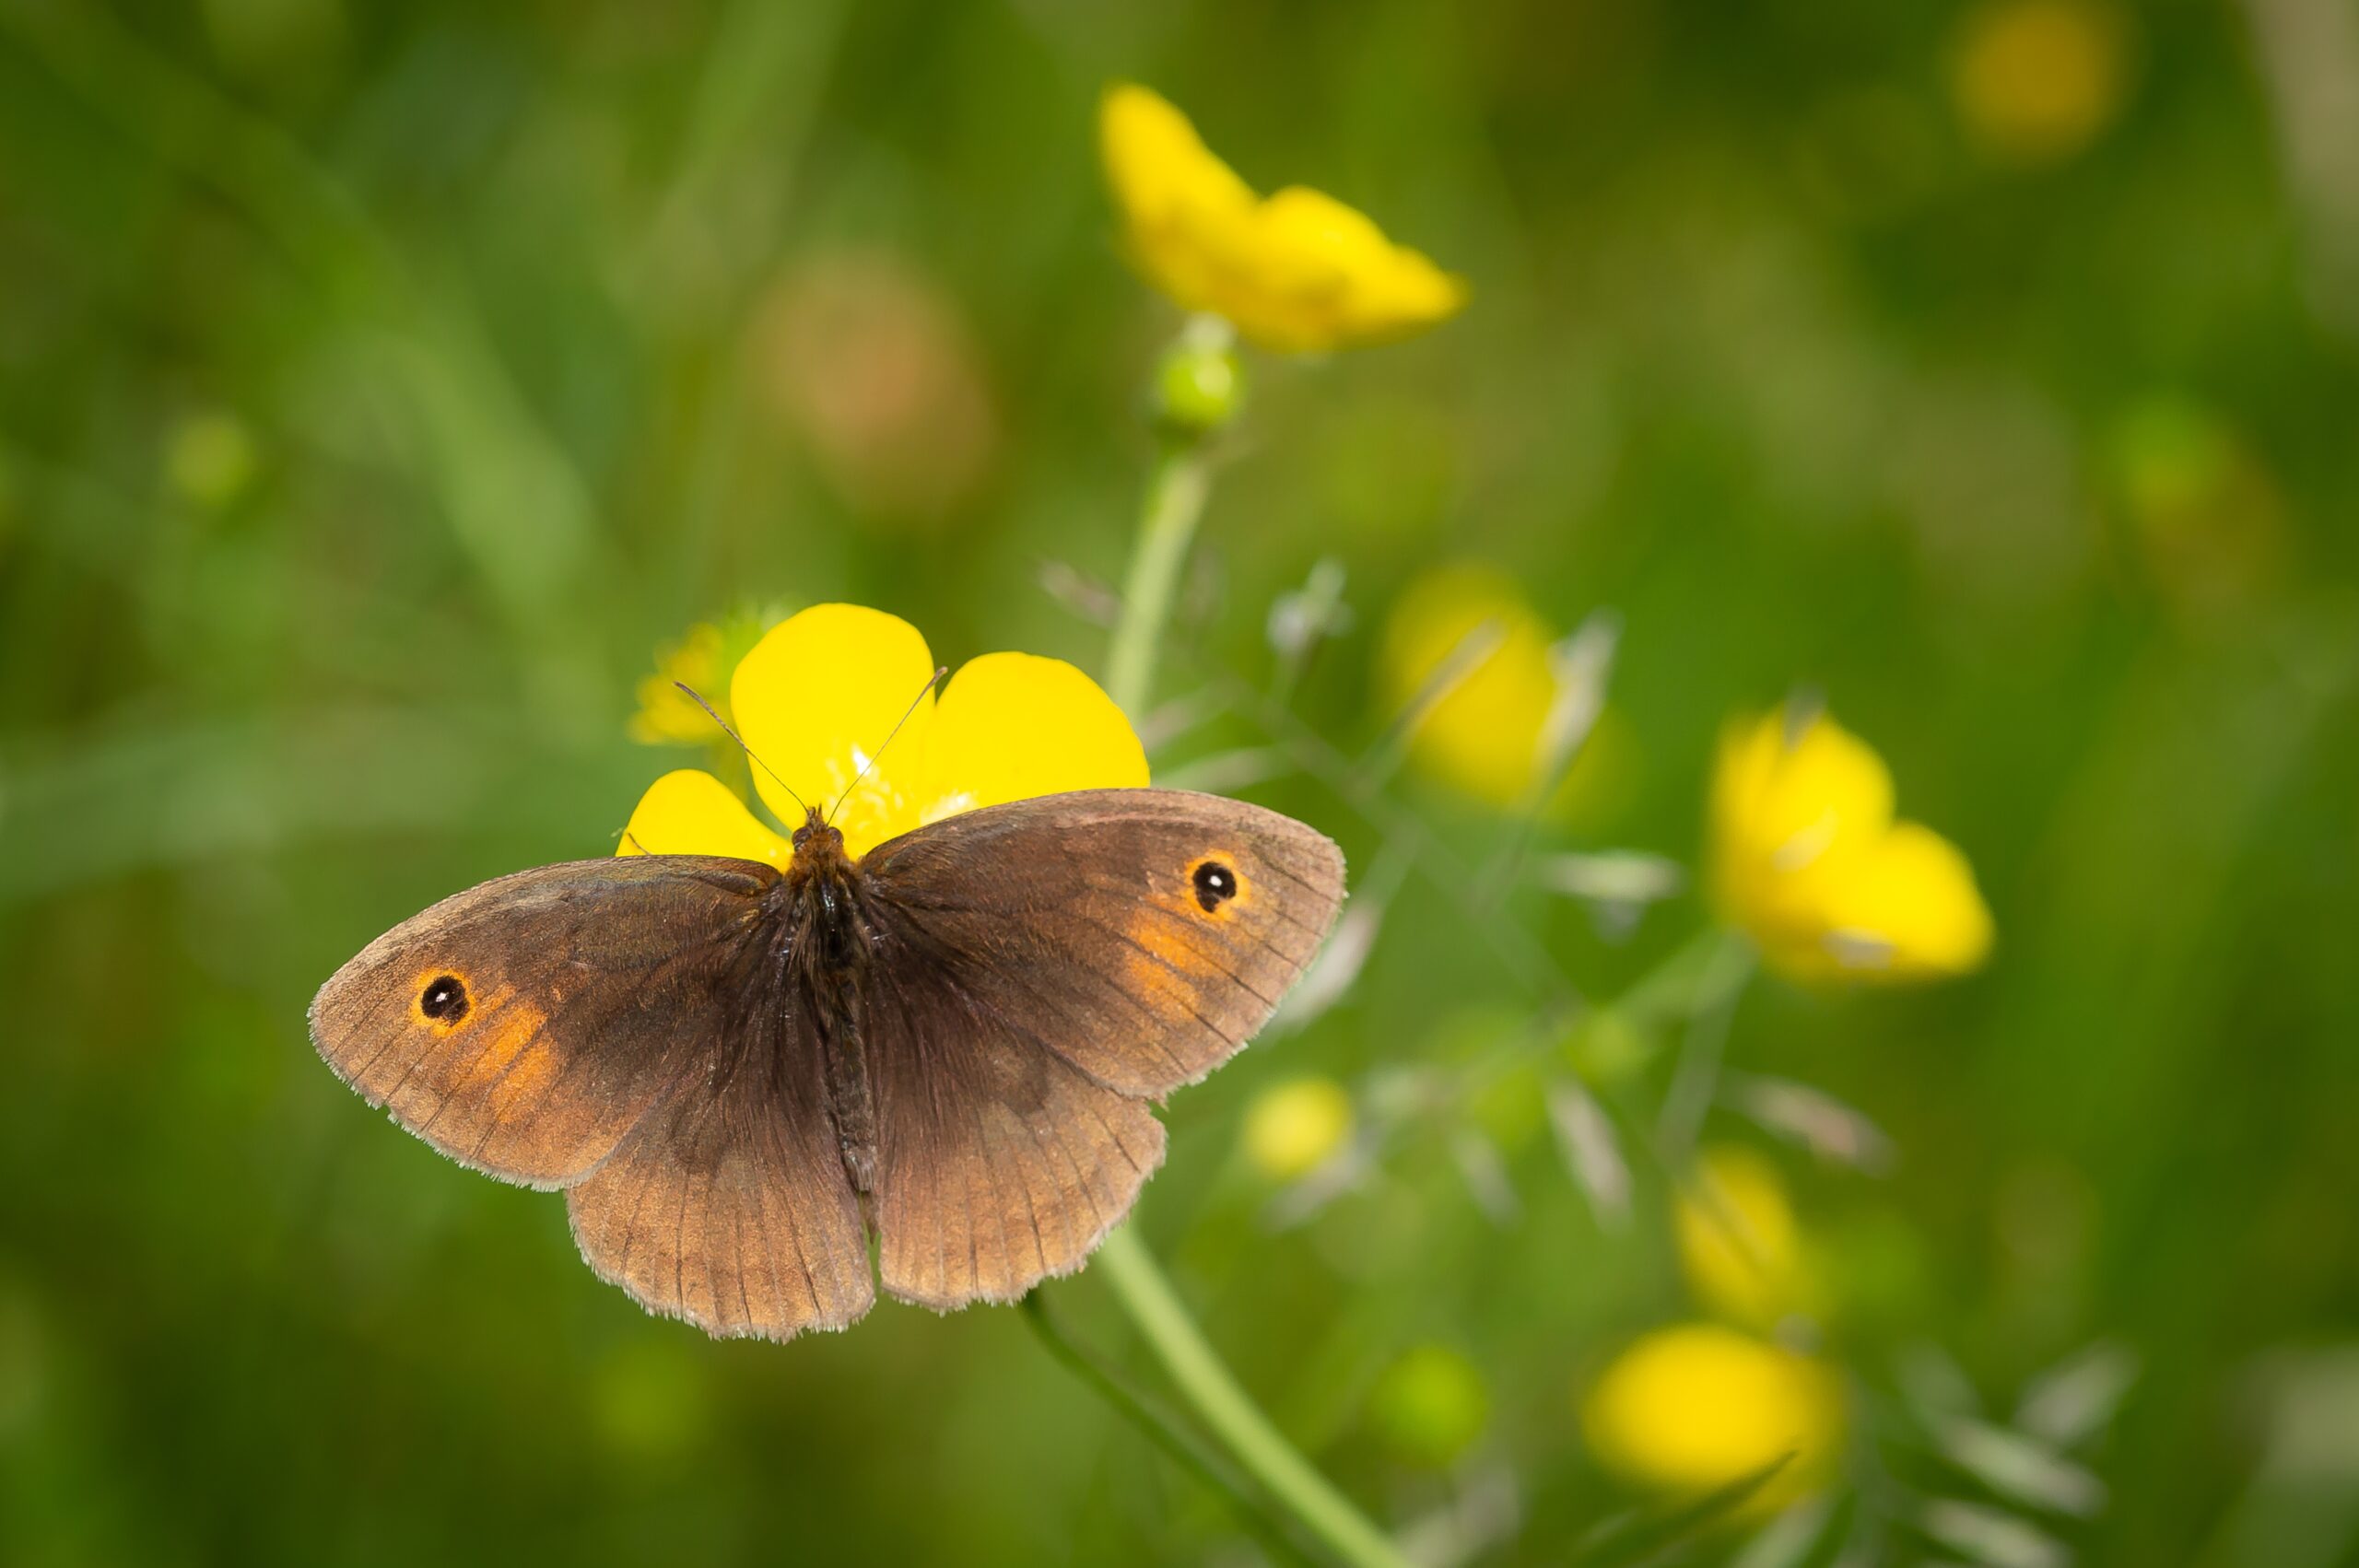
382,385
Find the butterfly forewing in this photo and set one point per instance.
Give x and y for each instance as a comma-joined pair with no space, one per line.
524,1026
1042,969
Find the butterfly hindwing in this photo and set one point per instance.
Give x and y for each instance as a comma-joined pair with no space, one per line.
1043,968
729,1206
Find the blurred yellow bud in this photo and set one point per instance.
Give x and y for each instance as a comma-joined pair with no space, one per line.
2036,81
1696,1406
1738,1242
1299,272
1292,1128
1199,385
1429,1407
1808,861
1470,627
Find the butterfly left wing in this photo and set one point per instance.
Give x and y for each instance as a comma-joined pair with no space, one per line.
619,1027
729,1206
524,1026
1044,968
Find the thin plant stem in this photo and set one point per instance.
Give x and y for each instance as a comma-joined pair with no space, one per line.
1212,1391
1174,502
1696,1077
1158,1428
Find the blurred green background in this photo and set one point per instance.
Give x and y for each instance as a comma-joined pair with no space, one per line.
380,385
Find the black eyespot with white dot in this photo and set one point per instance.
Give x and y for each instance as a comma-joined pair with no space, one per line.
444,999
1215,884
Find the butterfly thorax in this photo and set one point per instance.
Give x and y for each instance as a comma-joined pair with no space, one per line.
828,937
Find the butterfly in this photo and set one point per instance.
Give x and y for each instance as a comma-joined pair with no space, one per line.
739,1074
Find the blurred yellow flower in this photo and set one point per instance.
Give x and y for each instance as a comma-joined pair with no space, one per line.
2036,81
1292,1128
1738,1242
701,659
1808,861
1486,737
1696,1406
1296,273
666,715
818,695
1429,1407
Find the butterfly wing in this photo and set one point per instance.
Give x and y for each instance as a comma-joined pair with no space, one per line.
729,1205
612,1026
1044,968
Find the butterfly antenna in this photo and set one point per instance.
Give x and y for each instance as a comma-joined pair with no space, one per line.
931,681
742,746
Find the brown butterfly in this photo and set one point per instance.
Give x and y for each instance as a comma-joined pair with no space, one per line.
739,1073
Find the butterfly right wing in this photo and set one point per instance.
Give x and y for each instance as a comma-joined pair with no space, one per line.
1045,969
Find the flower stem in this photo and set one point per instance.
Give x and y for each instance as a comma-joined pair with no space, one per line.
1174,500
1212,1391
1161,1430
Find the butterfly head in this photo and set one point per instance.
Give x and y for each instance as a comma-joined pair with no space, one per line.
816,841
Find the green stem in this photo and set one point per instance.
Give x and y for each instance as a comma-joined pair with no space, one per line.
1212,1391
1174,500
1160,1430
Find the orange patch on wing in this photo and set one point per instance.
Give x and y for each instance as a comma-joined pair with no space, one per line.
1164,965
524,1082
503,1027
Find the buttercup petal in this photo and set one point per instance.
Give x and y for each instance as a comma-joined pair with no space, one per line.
816,701
1695,1407
1161,172
1911,912
1322,274
1738,1243
1808,861
1298,273
1483,737
688,812
1793,811
1013,725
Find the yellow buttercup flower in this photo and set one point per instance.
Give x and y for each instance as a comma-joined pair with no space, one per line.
816,701
1738,1242
1298,272
1808,861
1696,1406
1484,737
2036,81
1292,1128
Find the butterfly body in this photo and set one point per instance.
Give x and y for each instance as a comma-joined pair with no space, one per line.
739,1073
